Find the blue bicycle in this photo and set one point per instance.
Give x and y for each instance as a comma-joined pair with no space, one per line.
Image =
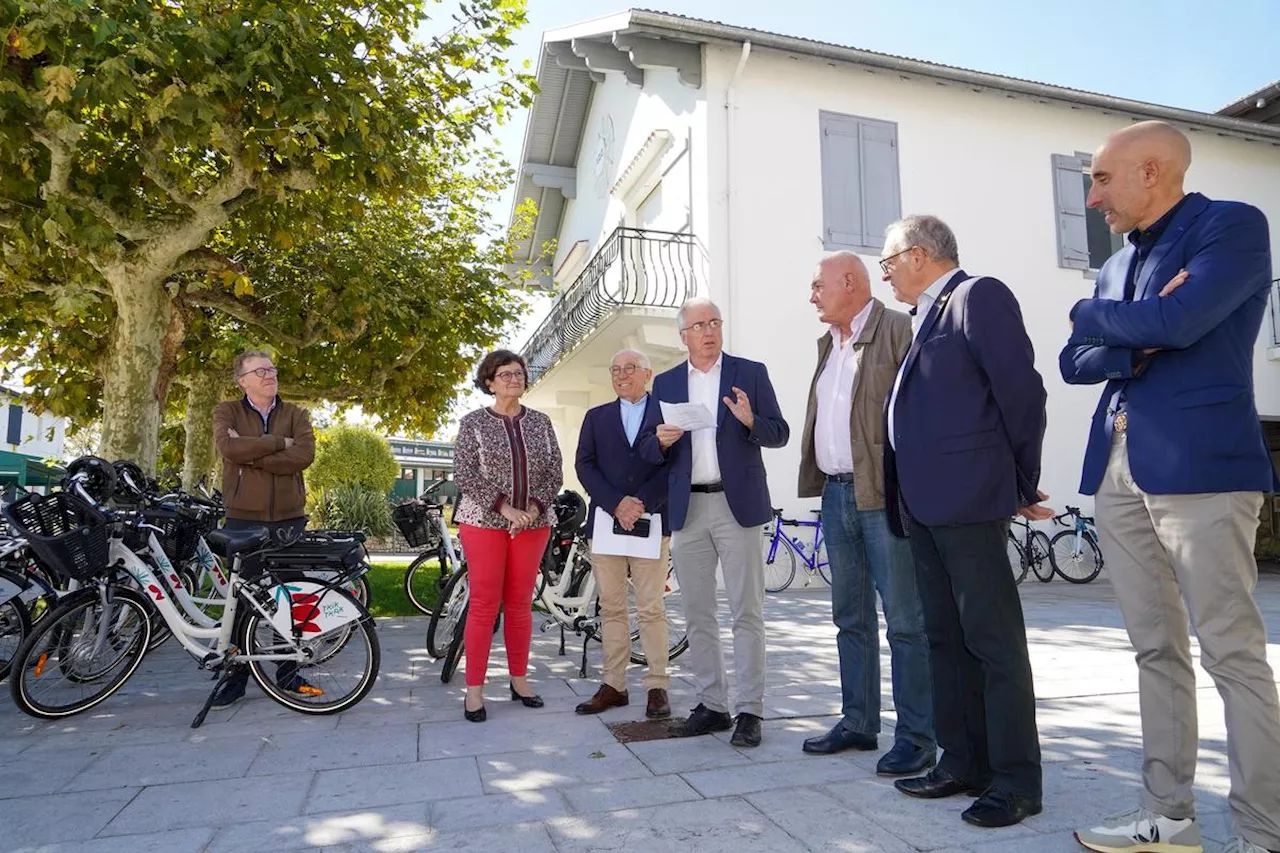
781,551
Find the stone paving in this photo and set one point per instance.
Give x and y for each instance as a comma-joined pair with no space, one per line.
403,771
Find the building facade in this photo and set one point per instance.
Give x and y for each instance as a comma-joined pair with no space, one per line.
672,157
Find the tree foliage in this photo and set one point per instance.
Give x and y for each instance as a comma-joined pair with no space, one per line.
168,171
352,455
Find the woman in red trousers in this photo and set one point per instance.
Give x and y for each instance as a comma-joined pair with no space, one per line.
508,468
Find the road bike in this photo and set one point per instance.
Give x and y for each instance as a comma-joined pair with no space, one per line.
782,550
1029,551
1074,553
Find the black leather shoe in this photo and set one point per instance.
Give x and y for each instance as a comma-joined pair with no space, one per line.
748,731
477,716
1000,808
906,759
703,721
935,785
838,740
534,701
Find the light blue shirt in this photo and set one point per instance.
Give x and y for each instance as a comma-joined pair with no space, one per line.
632,416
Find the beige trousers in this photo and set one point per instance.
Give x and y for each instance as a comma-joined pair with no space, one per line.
649,578
1177,557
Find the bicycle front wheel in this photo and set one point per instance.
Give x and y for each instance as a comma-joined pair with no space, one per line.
677,633
80,653
779,560
1017,559
1041,562
1075,567
448,614
14,627
423,582
337,675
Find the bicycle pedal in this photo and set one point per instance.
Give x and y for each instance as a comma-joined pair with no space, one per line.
548,625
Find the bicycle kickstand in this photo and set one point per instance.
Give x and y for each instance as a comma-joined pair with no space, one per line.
562,652
208,703
582,670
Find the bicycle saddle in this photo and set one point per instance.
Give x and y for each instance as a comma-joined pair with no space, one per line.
228,543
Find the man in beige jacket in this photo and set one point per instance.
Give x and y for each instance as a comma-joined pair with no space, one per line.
842,459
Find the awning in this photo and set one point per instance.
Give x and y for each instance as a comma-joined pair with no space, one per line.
27,471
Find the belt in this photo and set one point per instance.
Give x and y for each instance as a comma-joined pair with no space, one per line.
707,488
840,478
1121,423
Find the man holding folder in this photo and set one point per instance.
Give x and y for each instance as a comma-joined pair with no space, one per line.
630,495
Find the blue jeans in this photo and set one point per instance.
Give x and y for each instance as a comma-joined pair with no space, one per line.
863,552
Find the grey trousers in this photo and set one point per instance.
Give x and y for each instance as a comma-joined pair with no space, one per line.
1170,556
711,535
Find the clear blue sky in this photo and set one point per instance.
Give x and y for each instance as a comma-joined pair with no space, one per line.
1196,54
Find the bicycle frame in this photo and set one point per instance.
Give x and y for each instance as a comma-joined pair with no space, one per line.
798,545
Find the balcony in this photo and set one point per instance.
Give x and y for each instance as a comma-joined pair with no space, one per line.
635,272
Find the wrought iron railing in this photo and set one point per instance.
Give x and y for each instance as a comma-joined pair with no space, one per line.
1275,313
633,267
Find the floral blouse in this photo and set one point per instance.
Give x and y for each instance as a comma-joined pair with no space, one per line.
506,460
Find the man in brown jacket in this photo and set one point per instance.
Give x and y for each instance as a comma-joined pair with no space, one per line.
842,459
265,445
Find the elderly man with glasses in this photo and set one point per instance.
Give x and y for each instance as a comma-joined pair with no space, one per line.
631,490
265,445
718,501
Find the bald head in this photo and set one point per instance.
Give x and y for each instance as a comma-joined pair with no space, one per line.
840,289
1138,173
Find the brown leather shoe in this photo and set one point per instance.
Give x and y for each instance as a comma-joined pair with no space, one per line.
659,708
606,697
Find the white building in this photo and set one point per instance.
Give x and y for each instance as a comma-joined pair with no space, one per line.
28,441
673,157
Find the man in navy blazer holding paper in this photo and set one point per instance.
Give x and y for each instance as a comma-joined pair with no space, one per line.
965,423
626,487
718,498
1178,465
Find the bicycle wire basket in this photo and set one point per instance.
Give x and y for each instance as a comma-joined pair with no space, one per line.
67,535
415,525
178,533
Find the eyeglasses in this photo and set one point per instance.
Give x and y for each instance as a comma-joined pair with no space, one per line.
261,372
624,369
703,325
510,375
884,262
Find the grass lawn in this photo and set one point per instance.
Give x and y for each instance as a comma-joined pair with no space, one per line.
386,582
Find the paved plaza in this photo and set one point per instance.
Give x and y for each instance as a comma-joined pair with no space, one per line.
403,771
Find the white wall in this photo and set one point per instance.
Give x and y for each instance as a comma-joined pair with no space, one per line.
663,104
980,161
36,441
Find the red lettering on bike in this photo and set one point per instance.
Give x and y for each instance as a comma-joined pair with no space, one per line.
155,592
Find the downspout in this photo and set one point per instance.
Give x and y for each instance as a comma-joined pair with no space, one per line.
730,108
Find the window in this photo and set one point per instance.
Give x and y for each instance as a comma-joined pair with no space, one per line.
1084,239
860,188
406,473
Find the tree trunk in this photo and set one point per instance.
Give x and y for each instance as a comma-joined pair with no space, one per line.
132,403
203,393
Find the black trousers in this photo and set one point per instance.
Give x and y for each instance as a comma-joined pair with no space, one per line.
280,531
983,696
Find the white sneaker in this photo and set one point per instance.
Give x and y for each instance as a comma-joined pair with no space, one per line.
1143,831
1239,845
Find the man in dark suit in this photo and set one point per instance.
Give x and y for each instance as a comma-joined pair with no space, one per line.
965,423
718,500
1177,461
627,487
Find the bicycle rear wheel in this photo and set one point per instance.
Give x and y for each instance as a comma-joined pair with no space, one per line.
779,560
339,674
14,627
453,654
1041,563
1017,559
449,612
824,566
1075,568
80,653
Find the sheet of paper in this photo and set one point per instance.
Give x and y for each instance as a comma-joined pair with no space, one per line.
605,541
688,416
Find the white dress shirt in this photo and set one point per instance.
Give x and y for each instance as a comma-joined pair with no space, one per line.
832,441
704,388
923,304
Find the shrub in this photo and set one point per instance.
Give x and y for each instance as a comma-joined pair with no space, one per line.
357,507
